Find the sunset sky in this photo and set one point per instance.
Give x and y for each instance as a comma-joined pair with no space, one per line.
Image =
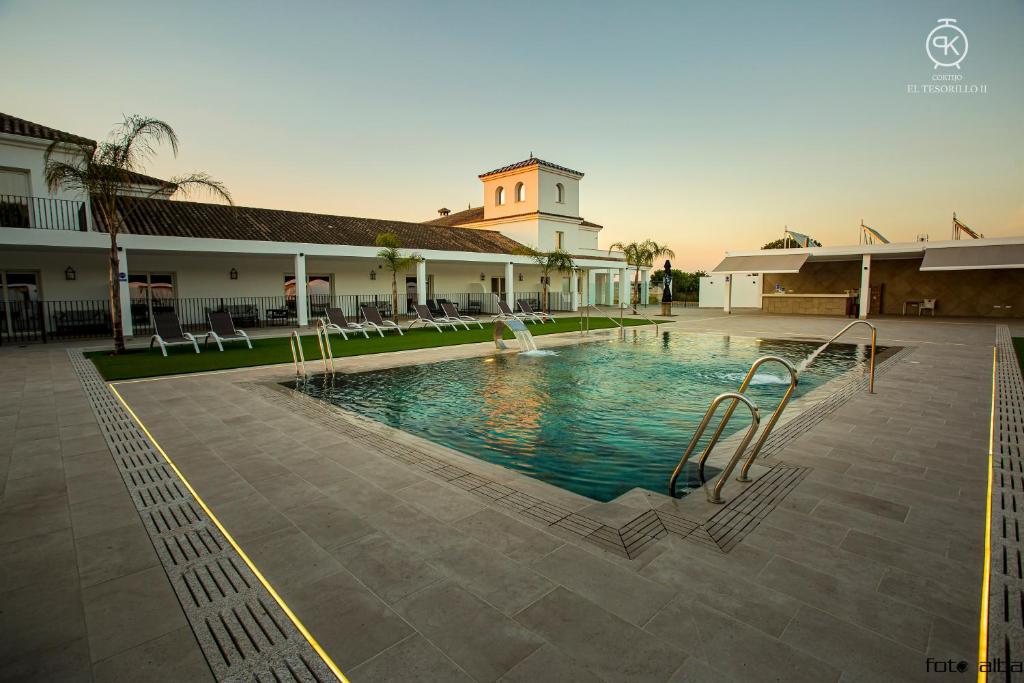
708,126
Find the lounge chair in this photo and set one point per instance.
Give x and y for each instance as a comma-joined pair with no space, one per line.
222,329
527,310
337,322
169,333
423,315
452,313
373,320
505,312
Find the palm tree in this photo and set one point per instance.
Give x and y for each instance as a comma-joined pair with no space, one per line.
639,255
390,253
104,174
558,260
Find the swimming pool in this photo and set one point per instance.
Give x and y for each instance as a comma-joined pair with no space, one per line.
596,418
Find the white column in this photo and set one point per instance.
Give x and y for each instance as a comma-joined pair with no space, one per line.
591,286
728,293
645,287
510,296
574,290
624,299
421,282
610,288
124,292
301,310
865,286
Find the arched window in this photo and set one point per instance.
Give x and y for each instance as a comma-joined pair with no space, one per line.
520,192
560,193
499,196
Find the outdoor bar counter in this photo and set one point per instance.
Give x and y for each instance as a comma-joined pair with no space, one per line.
806,304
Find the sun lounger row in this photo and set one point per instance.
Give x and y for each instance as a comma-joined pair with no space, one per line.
222,327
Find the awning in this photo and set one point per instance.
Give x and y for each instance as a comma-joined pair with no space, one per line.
974,258
762,263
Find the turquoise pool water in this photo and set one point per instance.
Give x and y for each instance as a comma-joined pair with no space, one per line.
597,418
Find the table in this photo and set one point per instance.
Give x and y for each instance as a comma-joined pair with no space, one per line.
912,302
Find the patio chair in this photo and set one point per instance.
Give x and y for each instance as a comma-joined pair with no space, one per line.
452,313
527,310
926,305
505,312
337,322
373,320
169,332
222,329
423,315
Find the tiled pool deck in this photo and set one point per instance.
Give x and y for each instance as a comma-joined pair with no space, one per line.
864,566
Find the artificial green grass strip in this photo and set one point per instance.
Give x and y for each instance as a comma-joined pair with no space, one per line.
137,363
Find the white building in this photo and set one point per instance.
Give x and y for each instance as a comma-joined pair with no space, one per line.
277,267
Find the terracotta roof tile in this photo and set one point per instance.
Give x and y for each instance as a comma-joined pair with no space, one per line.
532,161
12,125
168,218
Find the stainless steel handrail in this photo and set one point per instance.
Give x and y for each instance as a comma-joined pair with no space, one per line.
636,311
874,336
295,342
326,352
793,379
596,308
716,494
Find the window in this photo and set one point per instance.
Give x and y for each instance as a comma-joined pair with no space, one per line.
19,296
559,240
560,193
520,192
150,293
499,196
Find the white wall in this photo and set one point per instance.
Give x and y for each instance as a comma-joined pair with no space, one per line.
746,291
27,154
548,179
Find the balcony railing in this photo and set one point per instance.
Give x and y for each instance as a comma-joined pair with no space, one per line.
42,213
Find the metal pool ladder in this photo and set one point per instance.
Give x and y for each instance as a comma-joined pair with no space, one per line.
324,340
737,397
874,336
295,342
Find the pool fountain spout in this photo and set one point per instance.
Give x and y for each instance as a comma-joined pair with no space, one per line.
871,365
519,329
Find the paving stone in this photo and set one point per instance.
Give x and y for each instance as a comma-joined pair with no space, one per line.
551,665
478,638
38,561
67,663
385,568
413,659
289,559
350,622
507,535
172,657
33,518
327,522
113,553
35,618
445,503
613,648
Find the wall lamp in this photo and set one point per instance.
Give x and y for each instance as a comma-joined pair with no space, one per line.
233,274
373,274
70,274
483,276
520,277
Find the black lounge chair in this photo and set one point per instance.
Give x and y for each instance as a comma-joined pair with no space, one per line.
169,332
373,319
528,311
452,313
423,315
222,329
337,322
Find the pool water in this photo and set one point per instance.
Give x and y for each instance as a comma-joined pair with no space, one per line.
595,418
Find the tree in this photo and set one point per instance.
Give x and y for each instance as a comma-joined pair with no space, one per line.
790,243
639,255
103,173
391,254
558,260
682,282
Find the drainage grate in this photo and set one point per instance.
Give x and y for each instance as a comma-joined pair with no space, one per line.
1006,587
243,632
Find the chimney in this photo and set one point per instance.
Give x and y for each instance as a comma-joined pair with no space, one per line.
443,212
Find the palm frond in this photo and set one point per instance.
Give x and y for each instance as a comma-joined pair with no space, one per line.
135,141
188,184
60,174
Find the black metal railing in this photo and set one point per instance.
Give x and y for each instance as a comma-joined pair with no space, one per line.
42,213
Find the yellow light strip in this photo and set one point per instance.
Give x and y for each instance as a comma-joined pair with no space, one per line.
266,584
983,626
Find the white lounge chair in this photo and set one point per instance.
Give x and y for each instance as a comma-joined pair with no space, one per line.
337,322
373,320
222,329
423,315
169,333
926,305
528,311
452,313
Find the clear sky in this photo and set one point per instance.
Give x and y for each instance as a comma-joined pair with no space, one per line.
708,126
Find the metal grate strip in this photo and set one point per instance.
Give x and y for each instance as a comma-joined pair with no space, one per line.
243,632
